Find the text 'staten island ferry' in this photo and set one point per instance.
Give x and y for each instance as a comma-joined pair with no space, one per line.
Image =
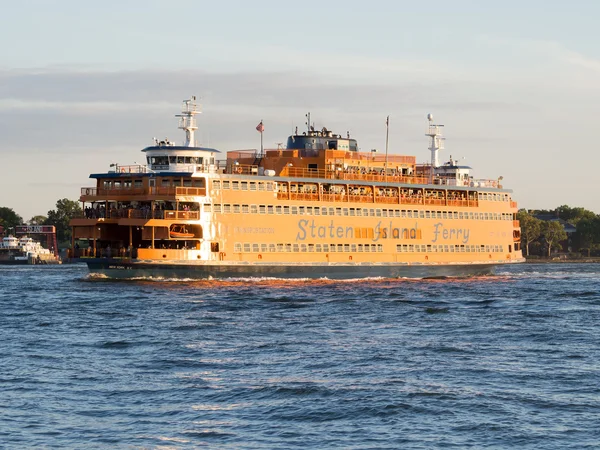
318,208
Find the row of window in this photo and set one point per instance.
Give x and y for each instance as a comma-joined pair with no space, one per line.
422,248
248,247
353,212
244,185
304,248
195,182
270,186
165,160
119,184
164,182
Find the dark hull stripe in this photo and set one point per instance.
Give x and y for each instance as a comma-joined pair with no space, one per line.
120,269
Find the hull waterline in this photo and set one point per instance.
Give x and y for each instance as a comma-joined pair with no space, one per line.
129,270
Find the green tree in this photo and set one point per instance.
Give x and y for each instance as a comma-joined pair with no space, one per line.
37,220
9,218
554,233
531,228
65,211
574,215
588,233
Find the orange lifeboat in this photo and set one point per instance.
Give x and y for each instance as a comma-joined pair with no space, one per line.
180,232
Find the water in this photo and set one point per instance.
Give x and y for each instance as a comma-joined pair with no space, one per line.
510,361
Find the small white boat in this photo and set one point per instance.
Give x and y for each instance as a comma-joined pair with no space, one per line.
24,251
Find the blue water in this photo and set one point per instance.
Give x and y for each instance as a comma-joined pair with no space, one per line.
510,361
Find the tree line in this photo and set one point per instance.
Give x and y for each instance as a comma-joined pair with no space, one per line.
59,217
543,236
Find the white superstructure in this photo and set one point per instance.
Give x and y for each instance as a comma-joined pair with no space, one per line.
166,156
26,247
436,140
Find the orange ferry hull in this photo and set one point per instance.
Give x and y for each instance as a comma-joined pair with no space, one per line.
118,268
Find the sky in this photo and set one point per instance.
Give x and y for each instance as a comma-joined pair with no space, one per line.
87,84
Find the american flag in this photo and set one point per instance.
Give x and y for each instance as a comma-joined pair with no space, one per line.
260,127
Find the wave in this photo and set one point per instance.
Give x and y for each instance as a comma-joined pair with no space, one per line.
303,280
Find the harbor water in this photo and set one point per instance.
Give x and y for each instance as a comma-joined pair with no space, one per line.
507,361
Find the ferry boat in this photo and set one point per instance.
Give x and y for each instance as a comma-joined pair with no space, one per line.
318,208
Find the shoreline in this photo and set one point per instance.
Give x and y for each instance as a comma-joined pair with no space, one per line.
560,261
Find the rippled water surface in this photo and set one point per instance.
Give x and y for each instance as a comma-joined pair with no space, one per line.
510,361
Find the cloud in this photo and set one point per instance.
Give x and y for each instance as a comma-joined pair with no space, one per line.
566,56
553,59
66,111
580,60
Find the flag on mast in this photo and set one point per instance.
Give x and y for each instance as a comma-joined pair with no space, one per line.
260,128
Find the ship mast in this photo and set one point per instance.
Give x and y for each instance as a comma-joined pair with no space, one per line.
187,122
387,139
437,141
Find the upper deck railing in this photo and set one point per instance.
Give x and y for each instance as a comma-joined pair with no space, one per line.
363,157
364,174
303,172
393,198
139,213
144,192
218,166
136,168
242,169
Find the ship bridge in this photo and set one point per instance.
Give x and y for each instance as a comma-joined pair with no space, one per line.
452,174
165,156
311,141
172,158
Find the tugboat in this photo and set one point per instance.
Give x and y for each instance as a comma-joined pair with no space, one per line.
318,208
24,251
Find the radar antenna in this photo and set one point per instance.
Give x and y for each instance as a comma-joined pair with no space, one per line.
187,122
307,115
436,142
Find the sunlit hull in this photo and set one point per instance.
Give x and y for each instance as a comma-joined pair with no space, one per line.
116,268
